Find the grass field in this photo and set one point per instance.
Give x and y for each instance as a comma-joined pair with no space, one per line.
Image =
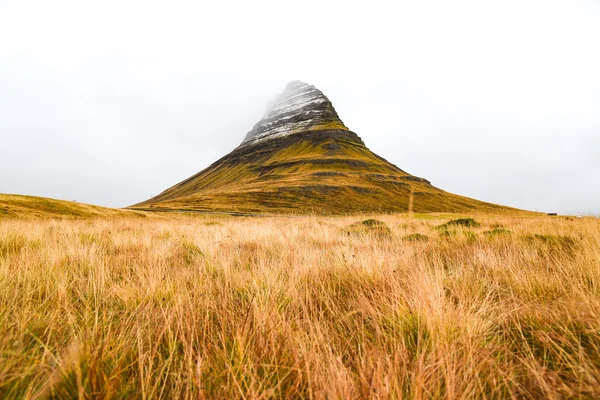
181,306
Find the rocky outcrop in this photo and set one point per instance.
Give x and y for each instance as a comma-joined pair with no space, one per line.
300,108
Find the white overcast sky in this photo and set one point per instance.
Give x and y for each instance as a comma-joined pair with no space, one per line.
110,102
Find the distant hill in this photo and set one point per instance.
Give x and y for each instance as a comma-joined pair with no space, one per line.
301,158
18,206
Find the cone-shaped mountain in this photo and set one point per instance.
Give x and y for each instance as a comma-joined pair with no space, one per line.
301,158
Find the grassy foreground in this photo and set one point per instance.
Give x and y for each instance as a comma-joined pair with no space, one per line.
208,307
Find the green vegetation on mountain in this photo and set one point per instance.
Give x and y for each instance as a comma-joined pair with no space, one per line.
323,172
18,206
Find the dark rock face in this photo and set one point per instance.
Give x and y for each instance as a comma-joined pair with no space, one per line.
245,154
300,108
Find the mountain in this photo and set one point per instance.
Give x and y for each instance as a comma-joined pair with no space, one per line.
301,158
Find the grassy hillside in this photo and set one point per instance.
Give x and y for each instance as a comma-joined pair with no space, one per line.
18,206
308,307
322,172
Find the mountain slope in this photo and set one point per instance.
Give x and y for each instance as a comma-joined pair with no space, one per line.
19,206
301,158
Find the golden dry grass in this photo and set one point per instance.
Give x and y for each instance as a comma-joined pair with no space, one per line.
207,307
